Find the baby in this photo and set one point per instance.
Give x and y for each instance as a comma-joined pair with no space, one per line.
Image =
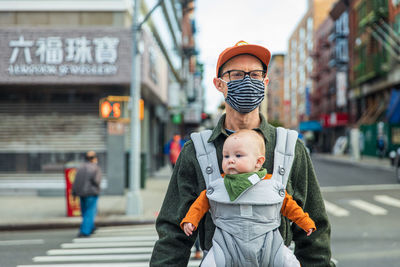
243,156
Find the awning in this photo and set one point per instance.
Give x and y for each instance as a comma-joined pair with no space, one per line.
310,126
393,110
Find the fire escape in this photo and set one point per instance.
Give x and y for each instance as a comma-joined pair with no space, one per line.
376,41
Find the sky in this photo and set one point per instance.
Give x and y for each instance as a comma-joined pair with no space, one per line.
222,23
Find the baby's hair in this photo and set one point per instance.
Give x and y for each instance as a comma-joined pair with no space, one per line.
257,136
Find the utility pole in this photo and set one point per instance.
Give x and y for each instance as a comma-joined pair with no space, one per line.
134,201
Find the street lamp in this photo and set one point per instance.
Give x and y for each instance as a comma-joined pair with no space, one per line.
134,202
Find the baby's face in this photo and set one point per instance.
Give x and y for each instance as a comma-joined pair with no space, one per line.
239,155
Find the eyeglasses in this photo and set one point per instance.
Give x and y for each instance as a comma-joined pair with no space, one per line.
235,75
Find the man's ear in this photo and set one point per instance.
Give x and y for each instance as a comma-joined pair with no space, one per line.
220,85
260,162
266,81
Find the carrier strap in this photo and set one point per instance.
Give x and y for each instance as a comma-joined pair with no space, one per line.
206,155
284,153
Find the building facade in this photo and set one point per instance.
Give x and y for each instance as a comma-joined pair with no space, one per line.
299,63
60,58
273,105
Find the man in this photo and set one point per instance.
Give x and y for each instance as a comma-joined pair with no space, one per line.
241,78
87,187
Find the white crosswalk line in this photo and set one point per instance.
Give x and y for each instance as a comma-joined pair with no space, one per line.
368,207
21,242
115,247
116,239
335,210
92,251
126,229
123,264
385,199
109,244
93,258
192,263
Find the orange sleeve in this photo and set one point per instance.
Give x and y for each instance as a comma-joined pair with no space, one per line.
197,210
295,213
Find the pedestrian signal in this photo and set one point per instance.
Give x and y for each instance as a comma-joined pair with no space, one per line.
115,108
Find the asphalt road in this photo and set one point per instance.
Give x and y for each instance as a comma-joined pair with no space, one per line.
19,247
363,206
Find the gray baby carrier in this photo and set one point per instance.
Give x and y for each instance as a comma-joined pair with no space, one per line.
246,231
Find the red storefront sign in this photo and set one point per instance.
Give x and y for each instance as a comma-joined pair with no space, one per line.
73,204
334,119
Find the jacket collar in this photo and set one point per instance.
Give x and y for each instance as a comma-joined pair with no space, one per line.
265,128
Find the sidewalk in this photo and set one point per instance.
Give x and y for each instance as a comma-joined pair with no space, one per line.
45,212
37,212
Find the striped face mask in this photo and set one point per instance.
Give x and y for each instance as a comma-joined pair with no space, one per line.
245,95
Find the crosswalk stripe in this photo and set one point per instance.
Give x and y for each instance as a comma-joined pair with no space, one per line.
109,244
116,239
192,263
130,229
95,258
368,207
391,201
118,247
21,242
335,210
99,251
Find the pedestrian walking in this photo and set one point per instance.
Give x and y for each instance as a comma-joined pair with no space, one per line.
87,187
173,148
241,78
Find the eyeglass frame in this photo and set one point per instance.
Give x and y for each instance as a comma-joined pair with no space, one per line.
245,73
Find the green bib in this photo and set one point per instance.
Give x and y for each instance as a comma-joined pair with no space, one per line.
236,184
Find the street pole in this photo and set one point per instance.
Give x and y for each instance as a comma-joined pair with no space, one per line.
134,201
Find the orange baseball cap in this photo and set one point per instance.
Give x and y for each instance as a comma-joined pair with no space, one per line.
243,47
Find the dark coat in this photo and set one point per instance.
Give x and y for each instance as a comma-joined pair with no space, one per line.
87,180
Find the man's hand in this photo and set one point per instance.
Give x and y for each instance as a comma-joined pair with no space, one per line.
188,228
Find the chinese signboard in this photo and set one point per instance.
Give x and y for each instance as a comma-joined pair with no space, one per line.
65,55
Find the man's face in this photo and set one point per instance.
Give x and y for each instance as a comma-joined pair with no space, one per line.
242,62
239,155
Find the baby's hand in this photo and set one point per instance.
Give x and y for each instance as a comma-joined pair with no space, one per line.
309,232
188,228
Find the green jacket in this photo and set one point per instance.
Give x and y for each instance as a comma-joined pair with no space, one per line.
173,247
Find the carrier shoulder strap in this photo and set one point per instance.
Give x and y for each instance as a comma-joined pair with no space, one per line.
206,155
284,153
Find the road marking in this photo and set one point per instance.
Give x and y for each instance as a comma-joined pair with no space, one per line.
192,263
126,229
95,258
54,252
335,210
21,242
116,239
109,244
368,207
350,188
391,201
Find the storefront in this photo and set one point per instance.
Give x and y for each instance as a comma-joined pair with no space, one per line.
51,81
